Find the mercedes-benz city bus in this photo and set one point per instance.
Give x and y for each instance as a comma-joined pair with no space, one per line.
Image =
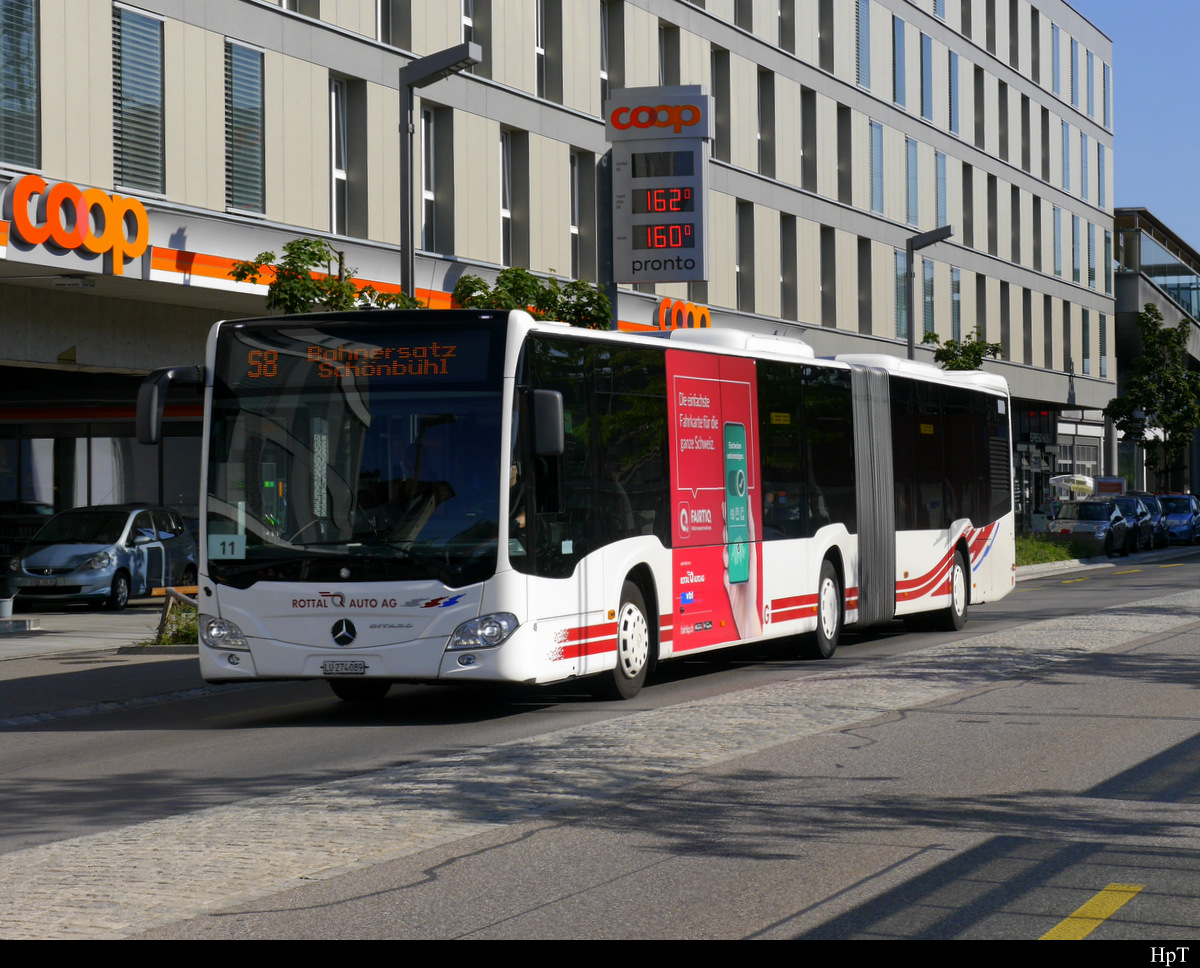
478,497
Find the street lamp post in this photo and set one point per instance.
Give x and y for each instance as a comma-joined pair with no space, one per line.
914,243
420,73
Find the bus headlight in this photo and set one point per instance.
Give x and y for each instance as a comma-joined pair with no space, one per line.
217,633
485,632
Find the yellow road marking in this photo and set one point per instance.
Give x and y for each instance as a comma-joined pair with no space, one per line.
1131,571
1178,564
1069,581
1092,914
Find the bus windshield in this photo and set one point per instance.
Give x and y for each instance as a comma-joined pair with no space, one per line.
346,451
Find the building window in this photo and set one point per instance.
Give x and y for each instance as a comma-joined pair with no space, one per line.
1101,178
722,133
913,213
1058,266
506,197
898,61
789,282
862,28
1108,263
137,101
901,296
1091,254
939,8
953,92
1074,73
926,77
393,23
1091,84
1103,346
1086,335
468,20
243,128
1055,60
877,167
574,203
744,256
956,305
1075,253
787,25
428,180
668,53
1084,186
539,46
941,187
766,123
604,42
927,269
1106,102
1066,157
20,101
338,154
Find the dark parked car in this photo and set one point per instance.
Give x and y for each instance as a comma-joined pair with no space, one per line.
1096,524
1183,517
105,555
1157,517
1140,524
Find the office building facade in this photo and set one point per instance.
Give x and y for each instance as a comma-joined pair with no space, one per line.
200,134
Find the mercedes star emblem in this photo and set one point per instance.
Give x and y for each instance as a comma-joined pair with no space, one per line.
343,631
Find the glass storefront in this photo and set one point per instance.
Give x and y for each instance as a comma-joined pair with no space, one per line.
53,458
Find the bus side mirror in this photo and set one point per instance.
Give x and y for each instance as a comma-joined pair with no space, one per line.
549,434
152,397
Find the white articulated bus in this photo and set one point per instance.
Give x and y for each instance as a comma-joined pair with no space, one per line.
476,496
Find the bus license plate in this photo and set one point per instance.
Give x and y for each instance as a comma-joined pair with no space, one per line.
343,667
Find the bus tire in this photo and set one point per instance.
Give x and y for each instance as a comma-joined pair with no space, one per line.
824,641
954,617
633,649
359,690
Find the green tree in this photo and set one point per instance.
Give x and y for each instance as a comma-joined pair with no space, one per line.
578,303
1161,395
967,354
293,288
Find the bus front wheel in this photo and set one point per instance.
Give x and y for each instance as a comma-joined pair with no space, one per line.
955,616
824,641
633,649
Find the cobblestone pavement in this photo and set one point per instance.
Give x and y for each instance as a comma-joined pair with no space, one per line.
126,880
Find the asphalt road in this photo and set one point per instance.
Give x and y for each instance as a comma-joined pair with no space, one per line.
755,795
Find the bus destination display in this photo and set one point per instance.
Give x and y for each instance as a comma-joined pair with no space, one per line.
269,358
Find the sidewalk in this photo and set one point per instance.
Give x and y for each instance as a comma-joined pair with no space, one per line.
82,629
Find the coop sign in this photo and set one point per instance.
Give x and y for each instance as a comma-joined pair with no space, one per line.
66,218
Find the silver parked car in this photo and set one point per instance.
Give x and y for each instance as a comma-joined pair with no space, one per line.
1096,524
104,555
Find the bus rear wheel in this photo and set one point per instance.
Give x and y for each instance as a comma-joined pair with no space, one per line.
359,690
954,617
633,649
824,642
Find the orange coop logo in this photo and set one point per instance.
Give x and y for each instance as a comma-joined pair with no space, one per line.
678,314
674,116
68,218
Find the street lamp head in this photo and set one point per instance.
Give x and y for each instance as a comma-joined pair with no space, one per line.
426,70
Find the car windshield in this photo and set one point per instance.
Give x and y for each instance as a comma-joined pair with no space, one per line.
1084,512
83,527
1176,505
